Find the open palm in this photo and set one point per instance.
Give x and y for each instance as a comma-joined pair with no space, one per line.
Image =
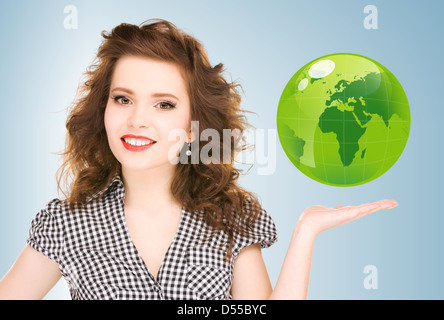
320,218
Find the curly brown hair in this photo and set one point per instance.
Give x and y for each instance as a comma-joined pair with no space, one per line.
215,103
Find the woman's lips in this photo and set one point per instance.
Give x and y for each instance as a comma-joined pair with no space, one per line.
136,143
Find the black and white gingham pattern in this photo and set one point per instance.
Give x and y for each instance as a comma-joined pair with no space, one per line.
97,258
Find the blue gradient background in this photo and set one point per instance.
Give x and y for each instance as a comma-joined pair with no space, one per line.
262,44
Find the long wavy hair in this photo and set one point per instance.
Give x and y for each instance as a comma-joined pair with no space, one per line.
211,188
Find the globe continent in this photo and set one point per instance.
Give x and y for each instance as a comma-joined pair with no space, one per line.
343,119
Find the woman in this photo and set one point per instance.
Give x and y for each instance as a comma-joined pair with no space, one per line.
141,220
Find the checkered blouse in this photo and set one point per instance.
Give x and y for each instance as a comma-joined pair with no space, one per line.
97,258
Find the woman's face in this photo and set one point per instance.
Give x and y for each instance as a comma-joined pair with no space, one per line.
148,101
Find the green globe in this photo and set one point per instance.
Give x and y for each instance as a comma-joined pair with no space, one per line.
343,119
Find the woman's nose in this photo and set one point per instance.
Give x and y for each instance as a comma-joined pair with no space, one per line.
138,117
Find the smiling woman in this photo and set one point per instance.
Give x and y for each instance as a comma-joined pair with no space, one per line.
148,100
183,87
130,207
136,225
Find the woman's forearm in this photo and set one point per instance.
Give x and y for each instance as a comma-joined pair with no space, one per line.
293,279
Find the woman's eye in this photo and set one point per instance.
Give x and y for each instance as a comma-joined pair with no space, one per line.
164,105
122,100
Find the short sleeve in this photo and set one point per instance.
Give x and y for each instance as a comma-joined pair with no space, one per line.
46,231
262,231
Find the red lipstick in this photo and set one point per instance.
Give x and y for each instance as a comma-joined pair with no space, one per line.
136,143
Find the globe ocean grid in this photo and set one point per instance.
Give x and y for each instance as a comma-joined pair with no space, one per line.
343,119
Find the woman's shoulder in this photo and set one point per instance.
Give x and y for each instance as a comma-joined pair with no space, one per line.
54,207
57,207
258,226
253,225
46,232
105,198
60,207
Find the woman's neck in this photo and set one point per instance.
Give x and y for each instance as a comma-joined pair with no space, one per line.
148,190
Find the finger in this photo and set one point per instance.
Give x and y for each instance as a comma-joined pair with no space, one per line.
368,208
381,204
356,212
387,204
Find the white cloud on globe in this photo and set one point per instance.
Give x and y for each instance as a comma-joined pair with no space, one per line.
303,84
321,69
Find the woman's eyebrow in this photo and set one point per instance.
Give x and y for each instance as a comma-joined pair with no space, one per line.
154,95
122,89
164,95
